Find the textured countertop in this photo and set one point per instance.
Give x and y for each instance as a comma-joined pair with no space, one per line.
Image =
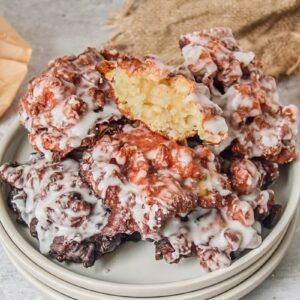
55,28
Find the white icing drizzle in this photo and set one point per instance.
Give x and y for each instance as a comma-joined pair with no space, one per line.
78,132
244,57
246,93
160,180
131,196
204,60
259,200
214,128
193,58
47,189
72,107
207,229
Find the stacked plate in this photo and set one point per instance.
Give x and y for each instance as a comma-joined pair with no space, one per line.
131,270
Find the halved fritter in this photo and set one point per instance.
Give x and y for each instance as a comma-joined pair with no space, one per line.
168,103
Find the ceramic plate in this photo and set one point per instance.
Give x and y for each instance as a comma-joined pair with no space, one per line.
119,273
28,267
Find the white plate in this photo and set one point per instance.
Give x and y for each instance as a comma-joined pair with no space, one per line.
38,274
18,258
46,290
124,278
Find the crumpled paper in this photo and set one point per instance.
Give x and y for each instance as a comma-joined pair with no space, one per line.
15,54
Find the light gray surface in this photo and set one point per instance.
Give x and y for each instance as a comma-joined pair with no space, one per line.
55,28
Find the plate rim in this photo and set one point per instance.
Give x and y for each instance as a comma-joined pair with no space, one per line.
17,258
161,289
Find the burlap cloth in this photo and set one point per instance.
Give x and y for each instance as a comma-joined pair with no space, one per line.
270,28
